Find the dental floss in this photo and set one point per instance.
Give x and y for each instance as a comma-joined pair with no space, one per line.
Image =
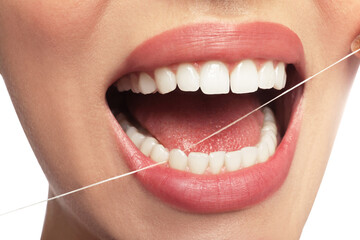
191,146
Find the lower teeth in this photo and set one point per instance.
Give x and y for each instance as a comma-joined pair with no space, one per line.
215,162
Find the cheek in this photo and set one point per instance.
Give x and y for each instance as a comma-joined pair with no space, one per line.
340,18
56,23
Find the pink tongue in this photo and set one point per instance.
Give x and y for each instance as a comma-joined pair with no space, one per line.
179,119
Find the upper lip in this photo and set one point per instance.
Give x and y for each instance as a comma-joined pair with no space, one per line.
216,41
228,43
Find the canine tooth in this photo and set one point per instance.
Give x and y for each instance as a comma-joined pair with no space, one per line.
131,131
146,84
216,161
233,160
165,80
244,78
178,159
280,79
271,143
137,138
249,155
198,162
188,79
134,82
267,76
263,152
159,153
214,78
147,145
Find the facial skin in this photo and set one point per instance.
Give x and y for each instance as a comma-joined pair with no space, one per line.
58,60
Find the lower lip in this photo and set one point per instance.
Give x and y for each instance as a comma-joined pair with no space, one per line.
215,193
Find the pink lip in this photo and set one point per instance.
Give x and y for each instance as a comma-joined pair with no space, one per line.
229,43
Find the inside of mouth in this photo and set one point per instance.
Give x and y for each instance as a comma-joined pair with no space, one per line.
178,119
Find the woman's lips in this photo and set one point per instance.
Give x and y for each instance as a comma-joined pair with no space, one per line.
214,41
202,42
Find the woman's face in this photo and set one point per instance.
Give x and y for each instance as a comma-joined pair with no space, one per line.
59,59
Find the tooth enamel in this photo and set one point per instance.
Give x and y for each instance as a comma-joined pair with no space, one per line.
263,152
137,138
280,76
146,84
244,78
159,153
165,80
267,76
268,115
249,156
270,141
269,126
233,161
198,162
147,146
131,131
124,124
178,159
216,161
214,78
188,79
123,84
134,82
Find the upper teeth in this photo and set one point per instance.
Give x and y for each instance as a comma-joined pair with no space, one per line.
213,77
215,162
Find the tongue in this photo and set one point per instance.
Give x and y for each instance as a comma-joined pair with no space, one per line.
180,119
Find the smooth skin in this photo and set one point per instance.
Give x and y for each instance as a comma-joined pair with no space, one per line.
57,59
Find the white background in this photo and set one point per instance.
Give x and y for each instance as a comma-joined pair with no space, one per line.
335,214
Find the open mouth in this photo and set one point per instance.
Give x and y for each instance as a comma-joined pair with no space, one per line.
165,105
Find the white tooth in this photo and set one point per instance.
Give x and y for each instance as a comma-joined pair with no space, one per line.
177,159
126,83
268,115
214,78
270,141
198,162
146,84
134,82
244,78
263,152
131,131
123,122
137,139
159,153
165,80
216,161
123,84
147,146
267,76
125,125
187,78
280,79
233,161
249,155
269,127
